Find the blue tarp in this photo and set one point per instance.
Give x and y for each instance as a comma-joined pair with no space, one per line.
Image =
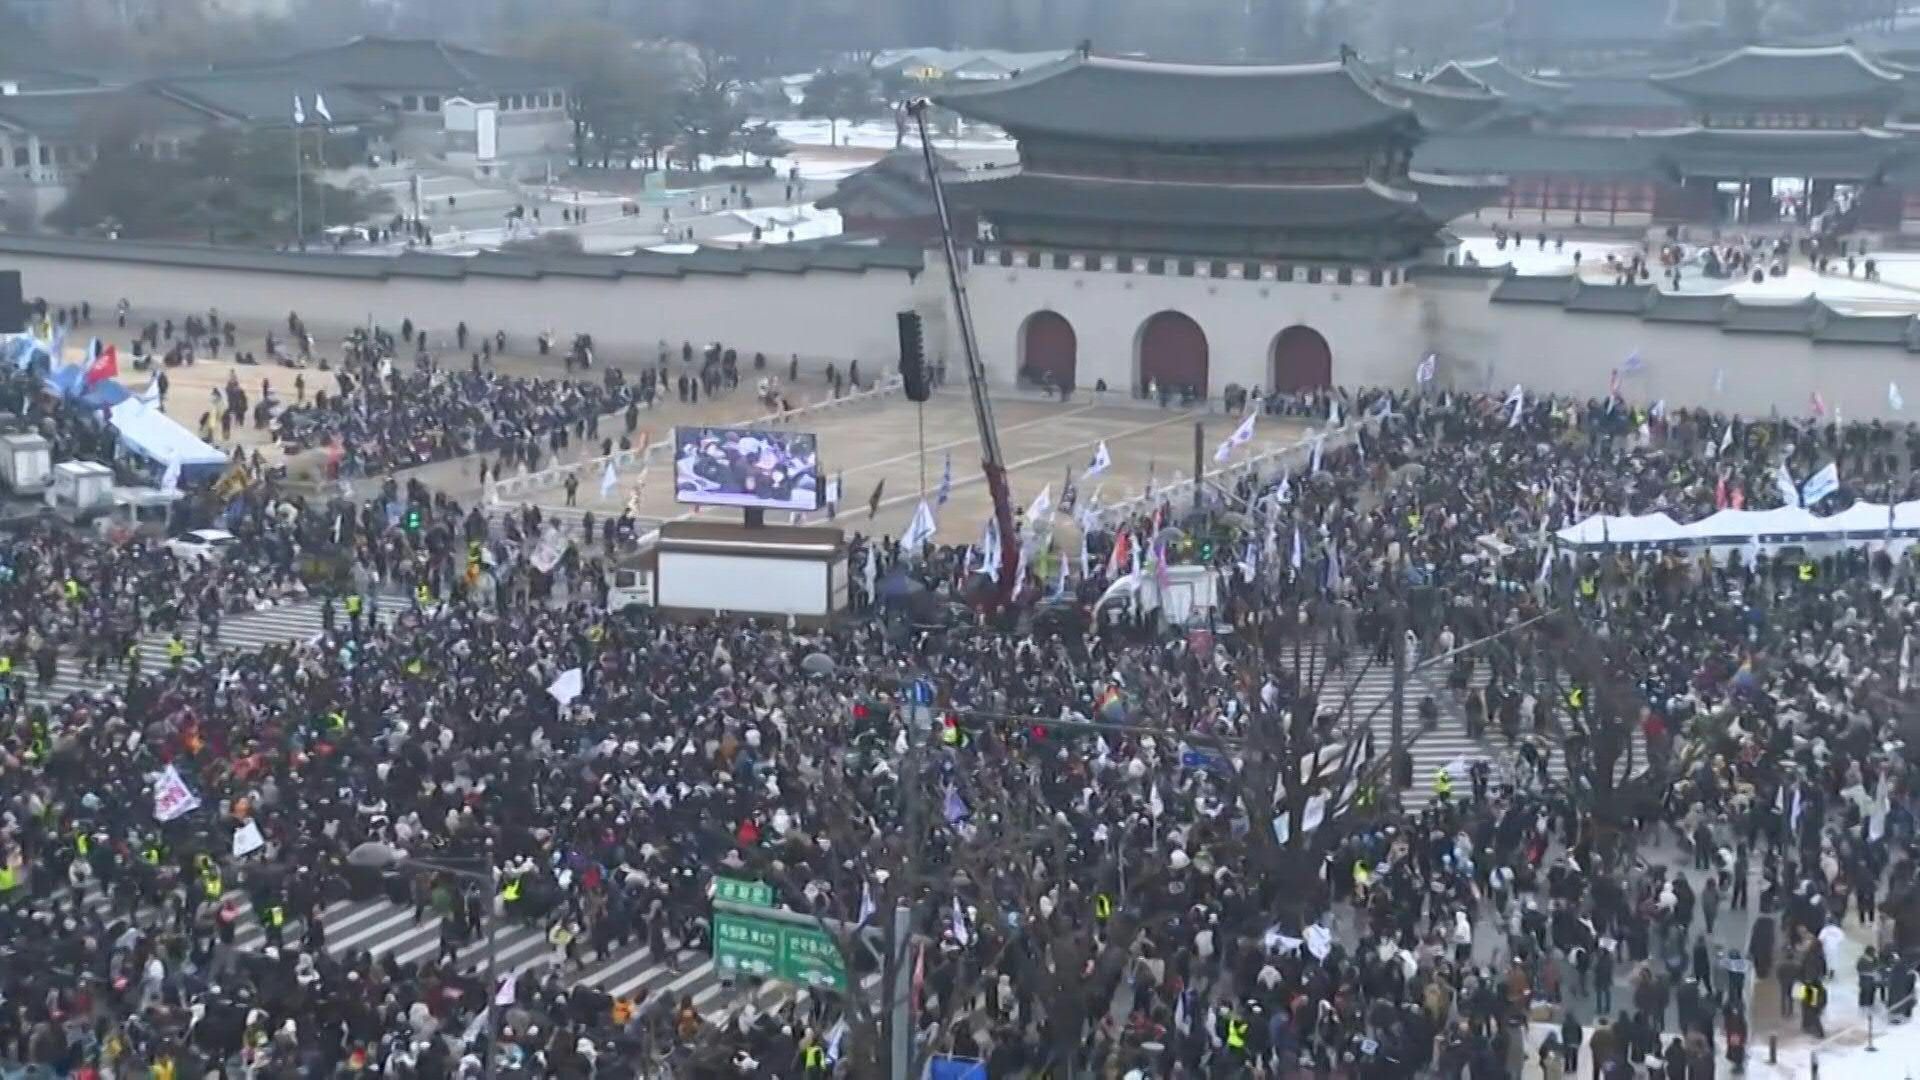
67,381
105,394
149,433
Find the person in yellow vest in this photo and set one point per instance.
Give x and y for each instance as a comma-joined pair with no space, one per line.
1589,587
1233,1032
1442,785
1576,698
353,611
274,922
510,893
813,1057
133,659
1362,881
176,650
6,665
423,595
1808,572
1102,907
73,591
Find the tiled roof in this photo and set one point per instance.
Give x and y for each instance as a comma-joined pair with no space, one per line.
842,259
1065,199
266,97
1099,97
378,63
1808,318
1796,74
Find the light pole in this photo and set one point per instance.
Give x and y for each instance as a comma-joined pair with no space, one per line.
378,856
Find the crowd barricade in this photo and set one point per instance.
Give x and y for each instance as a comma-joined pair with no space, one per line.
1294,456
511,488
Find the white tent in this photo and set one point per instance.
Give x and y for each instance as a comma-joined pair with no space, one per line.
1620,529
1859,525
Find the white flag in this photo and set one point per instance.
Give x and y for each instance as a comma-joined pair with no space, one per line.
1299,555
299,111
1659,410
566,687
320,107
958,924
1789,491
151,395
1100,463
1726,437
1333,413
1906,659
247,840
990,550
920,531
171,798
1425,372
1041,508
867,906
1820,485
170,480
1894,400
1241,436
503,996
833,492
609,479
1517,401
1319,444
1155,807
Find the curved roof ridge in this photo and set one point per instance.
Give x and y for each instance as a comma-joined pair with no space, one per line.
1867,64
1467,66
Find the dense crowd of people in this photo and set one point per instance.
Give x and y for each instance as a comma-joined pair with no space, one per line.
1093,878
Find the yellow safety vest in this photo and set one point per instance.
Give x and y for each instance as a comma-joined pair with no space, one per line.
423,594
950,734
1442,783
276,916
1576,697
82,845
1102,907
816,1057
1361,875
415,667
1588,587
595,633
73,589
353,604
1806,571
211,886
9,880
151,855
1413,522
337,720
511,892
1236,1033
6,666
176,649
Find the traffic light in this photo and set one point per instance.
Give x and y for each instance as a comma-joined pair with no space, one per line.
413,519
913,361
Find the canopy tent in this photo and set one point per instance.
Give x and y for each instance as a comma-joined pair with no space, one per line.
147,432
105,394
1616,529
1862,522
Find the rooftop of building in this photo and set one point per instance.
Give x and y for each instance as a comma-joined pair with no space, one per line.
966,63
1325,207
1801,74
419,64
1129,100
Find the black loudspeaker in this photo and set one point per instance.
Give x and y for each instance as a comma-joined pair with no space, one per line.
13,306
913,361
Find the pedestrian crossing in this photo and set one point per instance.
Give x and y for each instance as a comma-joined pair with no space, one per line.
381,928
1363,689
249,631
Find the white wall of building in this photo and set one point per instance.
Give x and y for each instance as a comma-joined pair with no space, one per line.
1378,334
1241,319
818,314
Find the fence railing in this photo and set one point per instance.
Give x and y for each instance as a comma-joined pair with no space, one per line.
512,488
1182,489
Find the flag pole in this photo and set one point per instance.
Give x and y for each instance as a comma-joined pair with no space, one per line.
299,190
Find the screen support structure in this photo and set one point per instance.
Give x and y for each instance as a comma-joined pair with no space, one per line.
756,516
991,463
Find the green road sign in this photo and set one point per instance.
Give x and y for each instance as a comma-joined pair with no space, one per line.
743,945
747,893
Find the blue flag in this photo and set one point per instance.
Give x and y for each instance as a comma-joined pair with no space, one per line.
956,807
